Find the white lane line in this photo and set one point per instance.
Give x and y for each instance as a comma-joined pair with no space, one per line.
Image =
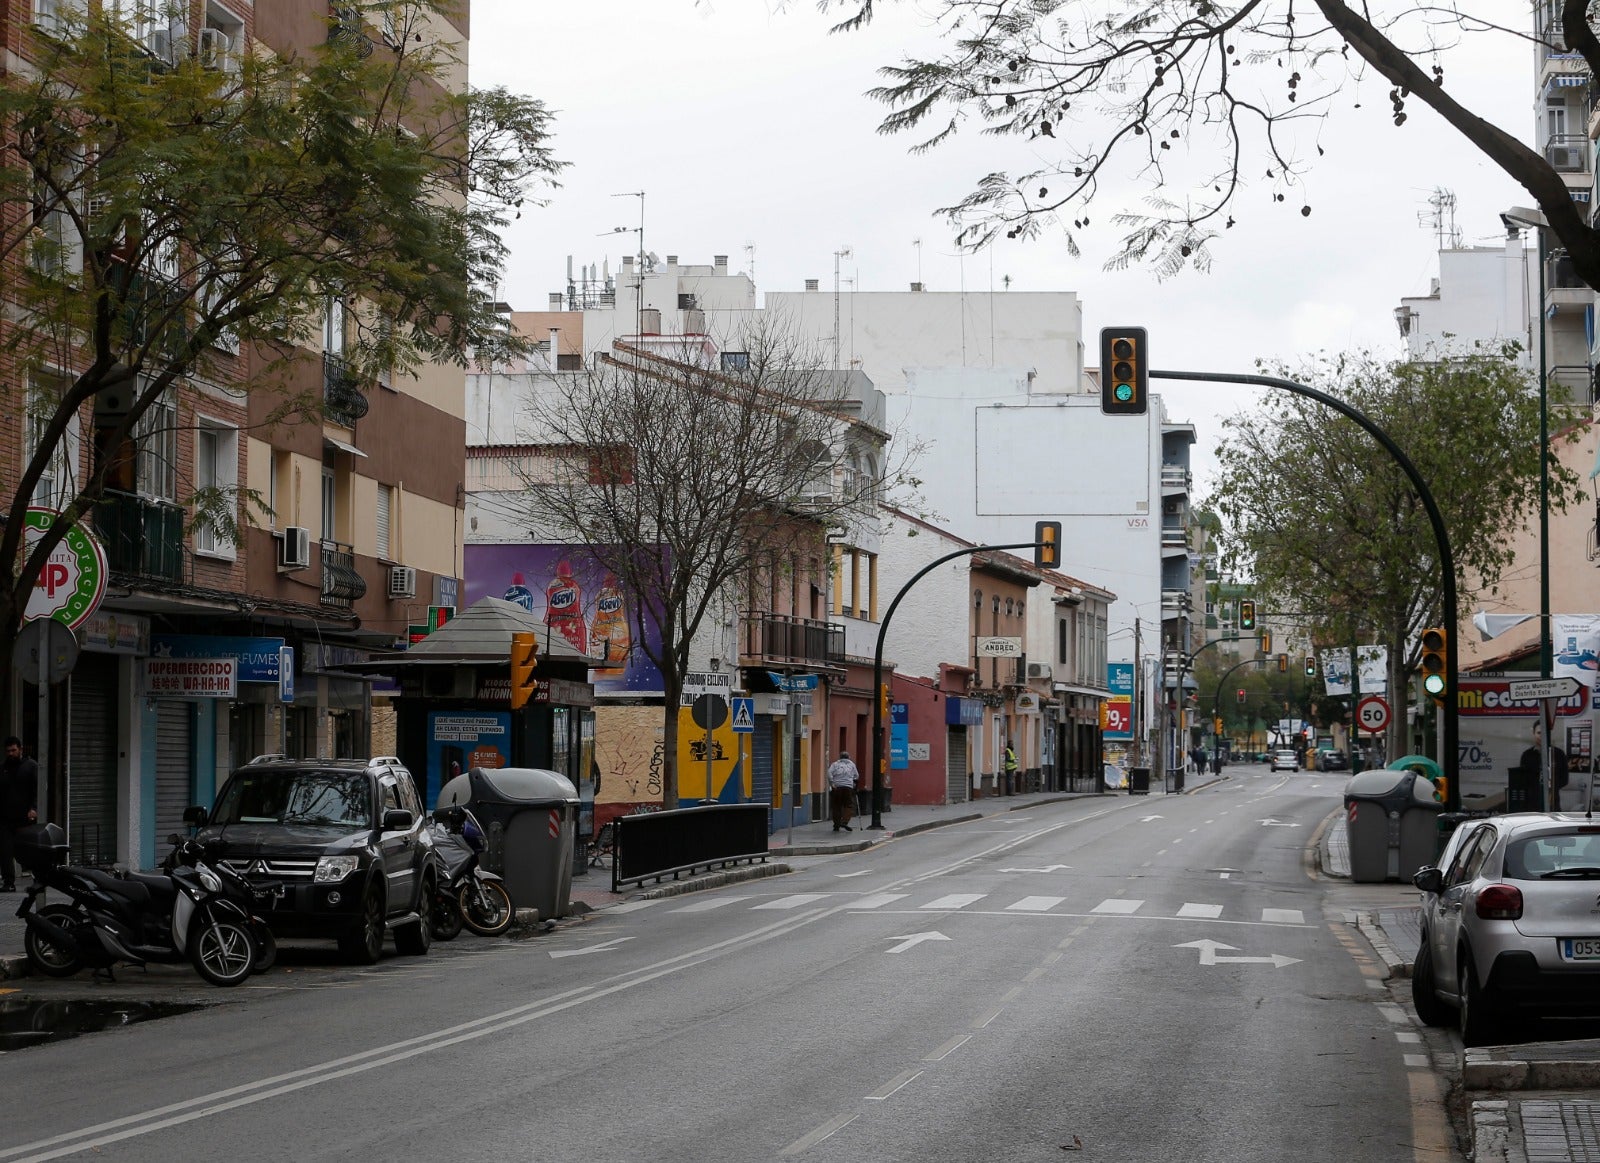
1179,840
1034,974
878,900
632,906
793,902
708,905
1393,1013
896,1083
1409,1037
1210,912
982,1022
1417,1060
1283,917
949,1048
956,900
1035,904
1117,905
806,1142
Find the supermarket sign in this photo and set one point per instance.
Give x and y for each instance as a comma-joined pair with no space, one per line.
190,678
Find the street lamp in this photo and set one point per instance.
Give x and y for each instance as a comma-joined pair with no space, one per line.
1515,219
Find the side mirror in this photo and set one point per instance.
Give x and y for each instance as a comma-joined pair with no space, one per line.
174,839
396,820
196,816
1428,879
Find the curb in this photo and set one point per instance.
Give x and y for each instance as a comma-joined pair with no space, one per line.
1397,965
1492,1140
1481,1069
13,967
713,880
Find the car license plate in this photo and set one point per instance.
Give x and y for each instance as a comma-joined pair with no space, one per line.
1580,949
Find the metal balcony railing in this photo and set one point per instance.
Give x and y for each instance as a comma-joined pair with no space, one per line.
141,537
1174,476
342,585
1174,537
342,398
781,638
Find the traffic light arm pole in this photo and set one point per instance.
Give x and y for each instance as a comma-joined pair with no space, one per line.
1447,563
877,667
1216,703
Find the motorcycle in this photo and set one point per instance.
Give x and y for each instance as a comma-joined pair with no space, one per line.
255,896
464,893
188,913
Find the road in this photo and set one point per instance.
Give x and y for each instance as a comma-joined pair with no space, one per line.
1127,977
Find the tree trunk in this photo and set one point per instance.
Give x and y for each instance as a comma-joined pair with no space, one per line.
671,691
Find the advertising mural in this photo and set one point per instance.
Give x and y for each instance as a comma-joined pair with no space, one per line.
1495,729
577,599
1335,666
1116,713
461,740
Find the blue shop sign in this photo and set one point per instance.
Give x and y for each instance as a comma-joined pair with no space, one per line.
793,683
960,712
1119,677
258,657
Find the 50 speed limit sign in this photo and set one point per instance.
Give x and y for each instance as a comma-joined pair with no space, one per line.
1372,713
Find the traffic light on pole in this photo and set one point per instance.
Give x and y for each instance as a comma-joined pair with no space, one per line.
1217,724
1124,371
524,660
1047,544
1433,669
883,701
1247,614
1311,666
1266,642
1241,696
1283,664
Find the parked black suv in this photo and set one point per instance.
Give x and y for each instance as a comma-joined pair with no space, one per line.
346,837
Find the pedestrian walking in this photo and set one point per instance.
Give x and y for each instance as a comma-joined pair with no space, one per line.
19,805
1011,769
842,779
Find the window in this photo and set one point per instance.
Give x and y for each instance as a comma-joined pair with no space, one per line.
139,18
385,518
59,484
216,284
330,508
735,361
158,450
56,247
333,327
216,478
56,15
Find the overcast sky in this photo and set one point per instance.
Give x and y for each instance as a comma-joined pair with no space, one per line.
748,131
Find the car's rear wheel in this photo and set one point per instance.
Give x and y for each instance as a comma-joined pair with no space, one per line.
1424,1000
363,944
1478,1022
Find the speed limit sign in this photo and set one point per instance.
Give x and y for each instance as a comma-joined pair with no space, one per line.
1372,713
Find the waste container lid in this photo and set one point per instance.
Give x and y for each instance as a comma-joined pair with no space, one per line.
1418,763
1379,783
524,785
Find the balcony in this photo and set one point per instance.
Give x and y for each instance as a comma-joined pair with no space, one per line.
1174,604
342,586
779,639
142,537
1568,153
1174,540
343,401
1174,479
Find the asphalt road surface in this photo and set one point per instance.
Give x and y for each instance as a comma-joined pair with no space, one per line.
1114,978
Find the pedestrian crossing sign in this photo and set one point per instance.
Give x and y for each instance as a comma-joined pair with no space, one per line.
744,715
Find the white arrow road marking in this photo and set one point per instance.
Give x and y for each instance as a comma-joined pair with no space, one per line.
1147,819
910,939
1052,868
1209,956
848,875
589,948
1271,823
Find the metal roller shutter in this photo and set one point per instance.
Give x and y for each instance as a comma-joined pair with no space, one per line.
761,767
174,768
955,765
92,761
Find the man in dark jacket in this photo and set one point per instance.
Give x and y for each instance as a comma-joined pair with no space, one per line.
19,804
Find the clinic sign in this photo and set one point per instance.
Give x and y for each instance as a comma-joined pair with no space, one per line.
72,581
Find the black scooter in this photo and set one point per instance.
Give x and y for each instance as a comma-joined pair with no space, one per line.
186,913
465,894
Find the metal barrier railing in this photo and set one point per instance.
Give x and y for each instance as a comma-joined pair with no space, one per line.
662,844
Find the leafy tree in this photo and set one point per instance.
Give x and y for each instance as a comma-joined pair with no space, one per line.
1195,98
159,215
1330,527
703,491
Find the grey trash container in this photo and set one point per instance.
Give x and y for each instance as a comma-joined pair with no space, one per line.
1393,824
531,818
1138,781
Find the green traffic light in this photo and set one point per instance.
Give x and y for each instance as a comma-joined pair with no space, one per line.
1433,684
1124,392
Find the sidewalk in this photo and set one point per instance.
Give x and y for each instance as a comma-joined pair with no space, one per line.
1537,1102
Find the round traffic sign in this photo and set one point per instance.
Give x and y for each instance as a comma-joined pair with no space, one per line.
1372,713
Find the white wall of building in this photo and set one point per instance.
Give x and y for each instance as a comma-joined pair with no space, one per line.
1483,293
916,644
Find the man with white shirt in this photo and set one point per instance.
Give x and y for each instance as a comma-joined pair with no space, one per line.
842,779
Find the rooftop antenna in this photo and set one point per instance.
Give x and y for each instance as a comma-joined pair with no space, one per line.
1441,216
750,261
638,301
917,242
842,253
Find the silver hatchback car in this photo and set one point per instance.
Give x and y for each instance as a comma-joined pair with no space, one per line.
1511,924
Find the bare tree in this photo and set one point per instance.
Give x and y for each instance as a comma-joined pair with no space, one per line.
697,486
1197,99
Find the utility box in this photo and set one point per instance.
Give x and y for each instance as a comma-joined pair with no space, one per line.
530,818
1392,824
1138,781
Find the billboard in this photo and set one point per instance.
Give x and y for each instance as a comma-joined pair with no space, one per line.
577,599
1116,713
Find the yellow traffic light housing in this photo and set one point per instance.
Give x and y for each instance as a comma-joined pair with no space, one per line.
1047,544
1283,664
1266,642
1124,371
524,661
1434,679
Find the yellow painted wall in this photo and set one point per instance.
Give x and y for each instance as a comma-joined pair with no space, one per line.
730,756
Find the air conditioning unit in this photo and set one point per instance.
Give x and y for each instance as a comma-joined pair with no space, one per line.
294,551
1565,159
402,581
1039,670
216,50
159,42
